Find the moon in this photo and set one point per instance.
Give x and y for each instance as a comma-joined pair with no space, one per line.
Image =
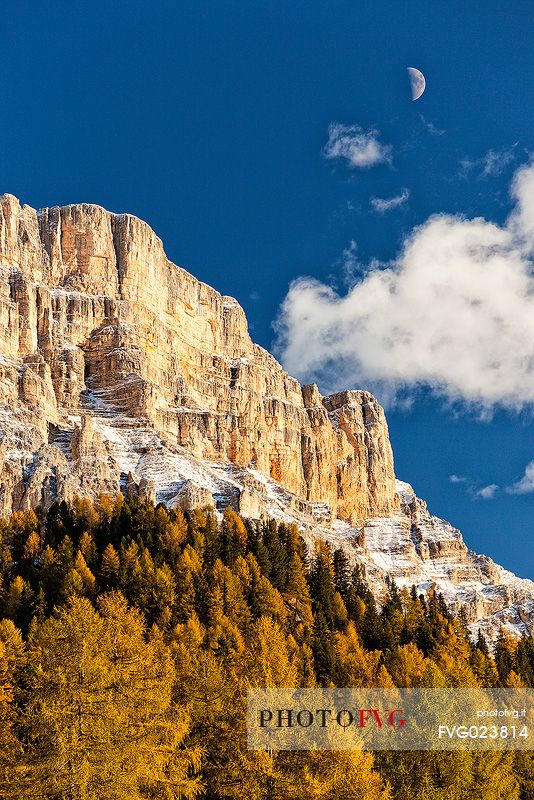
417,82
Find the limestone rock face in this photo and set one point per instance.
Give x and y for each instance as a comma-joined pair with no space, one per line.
98,321
414,547
121,371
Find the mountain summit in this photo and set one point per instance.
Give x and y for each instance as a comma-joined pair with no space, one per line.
120,370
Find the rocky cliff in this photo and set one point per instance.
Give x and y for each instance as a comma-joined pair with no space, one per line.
119,369
96,318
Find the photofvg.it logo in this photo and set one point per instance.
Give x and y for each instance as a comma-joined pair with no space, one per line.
323,717
390,719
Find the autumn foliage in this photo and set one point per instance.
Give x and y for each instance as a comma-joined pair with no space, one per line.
131,633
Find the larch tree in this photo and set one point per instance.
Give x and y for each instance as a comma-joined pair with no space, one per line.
327,775
99,703
354,666
12,768
271,662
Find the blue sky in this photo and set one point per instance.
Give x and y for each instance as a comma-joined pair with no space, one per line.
210,121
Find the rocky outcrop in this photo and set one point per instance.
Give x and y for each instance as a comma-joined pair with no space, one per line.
415,548
98,320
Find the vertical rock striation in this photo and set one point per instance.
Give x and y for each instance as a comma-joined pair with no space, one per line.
97,319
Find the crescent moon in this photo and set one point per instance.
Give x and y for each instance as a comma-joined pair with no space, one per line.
417,82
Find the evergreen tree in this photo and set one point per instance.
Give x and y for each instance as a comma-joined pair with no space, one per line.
482,644
524,660
322,583
342,574
483,667
264,599
278,556
322,649
505,652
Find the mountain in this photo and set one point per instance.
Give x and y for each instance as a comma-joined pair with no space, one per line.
120,370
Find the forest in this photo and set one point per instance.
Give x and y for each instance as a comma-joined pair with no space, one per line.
130,633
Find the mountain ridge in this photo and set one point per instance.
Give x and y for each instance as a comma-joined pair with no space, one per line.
120,370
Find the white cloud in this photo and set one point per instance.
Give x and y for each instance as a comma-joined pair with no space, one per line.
484,492
487,492
388,204
349,262
526,484
431,128
454,312
494,162
361,149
